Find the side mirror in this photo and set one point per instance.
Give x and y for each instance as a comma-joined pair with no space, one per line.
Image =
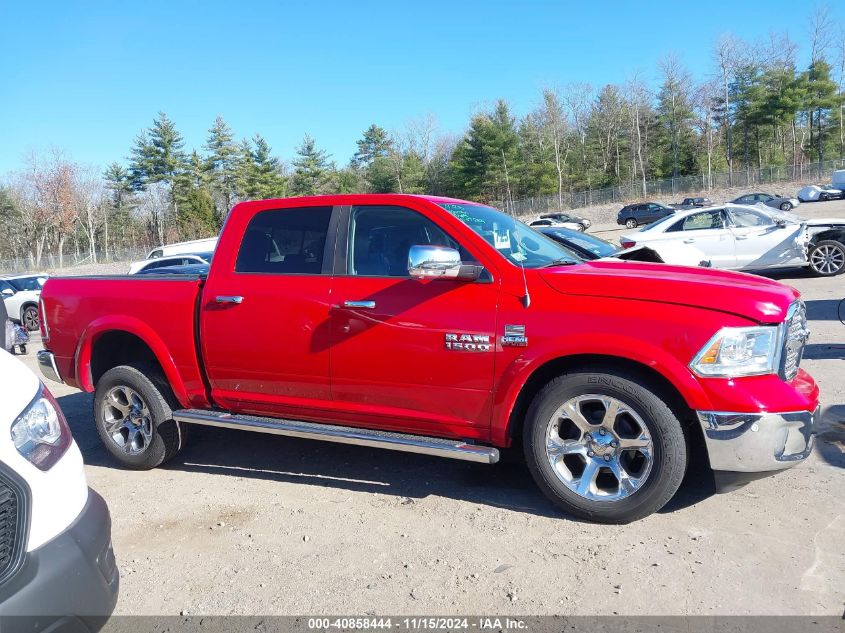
780,223
439,262
8,292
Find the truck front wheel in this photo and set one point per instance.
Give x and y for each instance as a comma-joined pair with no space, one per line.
133,410
603,446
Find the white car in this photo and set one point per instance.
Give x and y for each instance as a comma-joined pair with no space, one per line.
146,265
21,294
182,248
56,558
751,238
819,193
574,226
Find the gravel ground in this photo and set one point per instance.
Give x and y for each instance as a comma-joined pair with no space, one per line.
243,523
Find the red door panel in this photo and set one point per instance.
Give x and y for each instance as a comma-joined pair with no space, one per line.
391,366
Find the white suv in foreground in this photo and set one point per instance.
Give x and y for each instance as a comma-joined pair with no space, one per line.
56,560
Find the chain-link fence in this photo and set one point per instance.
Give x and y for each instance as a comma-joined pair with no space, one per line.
70,260
816,172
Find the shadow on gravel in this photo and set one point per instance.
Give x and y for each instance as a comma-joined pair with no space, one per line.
825,309
830,436
409,476
824,351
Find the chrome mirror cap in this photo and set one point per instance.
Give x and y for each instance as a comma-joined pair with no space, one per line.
426,261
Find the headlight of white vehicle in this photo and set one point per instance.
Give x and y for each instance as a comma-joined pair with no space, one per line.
738,351
41,433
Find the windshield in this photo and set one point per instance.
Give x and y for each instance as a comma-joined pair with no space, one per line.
25,283
589,243
519,244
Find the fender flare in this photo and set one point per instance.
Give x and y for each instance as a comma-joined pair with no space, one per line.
517,374
136,327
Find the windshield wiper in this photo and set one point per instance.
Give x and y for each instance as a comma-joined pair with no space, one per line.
563,261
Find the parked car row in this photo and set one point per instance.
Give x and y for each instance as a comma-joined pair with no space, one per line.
20,295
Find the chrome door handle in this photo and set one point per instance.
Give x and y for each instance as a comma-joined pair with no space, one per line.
742,237
228,299
361,305
689,241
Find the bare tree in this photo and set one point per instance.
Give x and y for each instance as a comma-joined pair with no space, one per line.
639,99
577,98
727,54
554,121
704,99
91,205
820,33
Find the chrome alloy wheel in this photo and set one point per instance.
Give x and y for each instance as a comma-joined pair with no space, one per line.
599,447
827,259
128,421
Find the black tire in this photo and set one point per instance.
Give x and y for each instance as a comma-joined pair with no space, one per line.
631,223
785,206
23,349
668,444
831,266
29,318
823,197
167,436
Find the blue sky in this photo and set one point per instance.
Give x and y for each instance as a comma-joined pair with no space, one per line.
88,76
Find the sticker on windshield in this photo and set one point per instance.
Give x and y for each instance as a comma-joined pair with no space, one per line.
501,238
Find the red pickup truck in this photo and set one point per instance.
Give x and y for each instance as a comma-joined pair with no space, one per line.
445,327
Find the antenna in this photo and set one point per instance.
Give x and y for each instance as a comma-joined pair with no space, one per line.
526,298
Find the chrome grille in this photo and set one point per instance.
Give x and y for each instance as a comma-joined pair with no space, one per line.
9,522
795,335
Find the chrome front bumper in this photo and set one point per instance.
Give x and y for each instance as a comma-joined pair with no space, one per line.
757,442
47,364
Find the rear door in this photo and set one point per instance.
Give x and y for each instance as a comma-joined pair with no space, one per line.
393,363
708,232
265,315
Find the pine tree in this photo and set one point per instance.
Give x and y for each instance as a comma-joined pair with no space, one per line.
488,154
158,156
374,144
268,180
222,162
312,169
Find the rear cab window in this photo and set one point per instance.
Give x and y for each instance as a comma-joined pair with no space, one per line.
285,242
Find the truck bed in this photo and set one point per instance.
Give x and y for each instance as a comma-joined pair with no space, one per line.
158,309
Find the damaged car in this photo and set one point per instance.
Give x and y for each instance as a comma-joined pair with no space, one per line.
751,238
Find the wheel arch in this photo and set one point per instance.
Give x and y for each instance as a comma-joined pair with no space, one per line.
109,343
837,235
681,400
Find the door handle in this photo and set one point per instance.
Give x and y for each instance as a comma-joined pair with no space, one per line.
689,241
742,237
360,305
228,299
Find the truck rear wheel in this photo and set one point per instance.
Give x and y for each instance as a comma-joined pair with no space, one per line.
603,446
133,410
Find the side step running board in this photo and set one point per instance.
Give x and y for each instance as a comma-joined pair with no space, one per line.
454,449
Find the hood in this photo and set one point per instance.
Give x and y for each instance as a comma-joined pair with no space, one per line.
825,222
18,386
756,298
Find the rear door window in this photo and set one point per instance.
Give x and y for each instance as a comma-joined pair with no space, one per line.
285,242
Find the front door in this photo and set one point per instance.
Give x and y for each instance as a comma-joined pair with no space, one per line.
760,242
265,317
408,354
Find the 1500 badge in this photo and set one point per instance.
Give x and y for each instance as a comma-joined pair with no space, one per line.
468,342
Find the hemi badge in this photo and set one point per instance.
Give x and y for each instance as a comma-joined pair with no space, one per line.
514,336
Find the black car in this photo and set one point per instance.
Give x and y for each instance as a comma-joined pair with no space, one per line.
186,269
583,244
633,215
560,216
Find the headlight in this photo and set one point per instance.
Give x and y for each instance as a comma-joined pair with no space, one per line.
41,433
738,351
